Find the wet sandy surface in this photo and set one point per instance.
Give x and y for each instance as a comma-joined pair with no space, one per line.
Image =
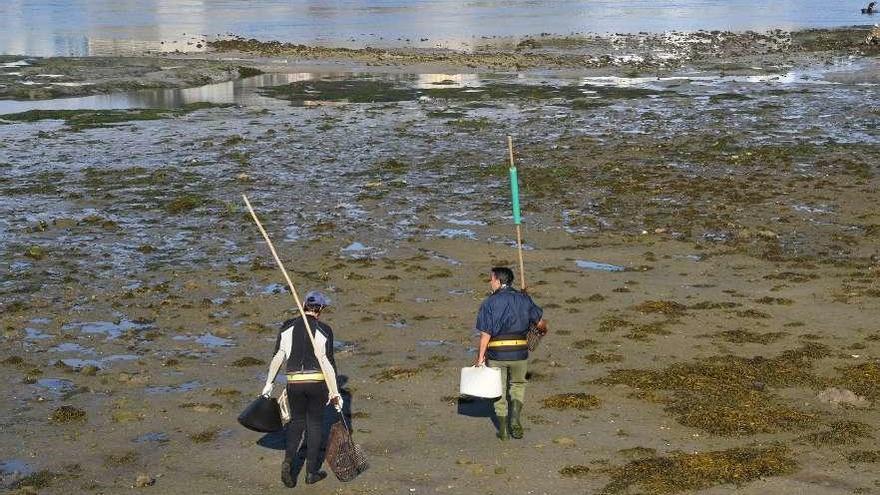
704,247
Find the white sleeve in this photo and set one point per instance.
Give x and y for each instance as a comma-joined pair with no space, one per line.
326,366
286,342
280,357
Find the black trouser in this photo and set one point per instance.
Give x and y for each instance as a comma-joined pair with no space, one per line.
307,401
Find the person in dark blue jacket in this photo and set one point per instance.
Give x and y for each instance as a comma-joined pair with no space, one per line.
503,321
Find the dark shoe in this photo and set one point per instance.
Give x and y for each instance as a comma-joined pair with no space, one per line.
516,429
286,477
312,478
502,428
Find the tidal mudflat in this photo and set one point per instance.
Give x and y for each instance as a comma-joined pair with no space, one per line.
701,231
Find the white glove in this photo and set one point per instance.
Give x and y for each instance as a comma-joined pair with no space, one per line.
338,404
267,390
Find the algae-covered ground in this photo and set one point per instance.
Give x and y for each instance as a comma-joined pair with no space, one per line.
704,246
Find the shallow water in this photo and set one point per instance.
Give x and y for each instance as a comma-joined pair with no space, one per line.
103,27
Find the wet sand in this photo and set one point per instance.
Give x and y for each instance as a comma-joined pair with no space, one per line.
735,350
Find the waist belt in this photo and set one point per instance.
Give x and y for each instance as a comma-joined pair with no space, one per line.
509,343
316,376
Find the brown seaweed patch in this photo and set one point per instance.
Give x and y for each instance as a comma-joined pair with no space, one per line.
13,361
862,379
67,414
686,472
638,453
396,373
741,336
247,361
774,300
40,479
725,394
795,277
584,343
575,471
205,436
121,460
611,324
184,203
580,401
838,433
664,307
201,406
752,313
642,332
598,357
714,305
872,456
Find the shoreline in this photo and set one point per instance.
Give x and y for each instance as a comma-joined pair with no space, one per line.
618,55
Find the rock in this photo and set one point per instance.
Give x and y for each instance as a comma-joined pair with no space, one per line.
144,480
500,470
837,396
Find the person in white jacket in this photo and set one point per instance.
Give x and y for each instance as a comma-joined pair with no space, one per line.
311,384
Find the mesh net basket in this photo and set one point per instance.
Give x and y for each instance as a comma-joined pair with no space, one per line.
533,337
345,458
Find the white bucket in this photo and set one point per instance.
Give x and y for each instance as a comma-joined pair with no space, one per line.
481,381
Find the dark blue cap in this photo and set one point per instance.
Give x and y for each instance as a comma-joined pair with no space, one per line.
316,298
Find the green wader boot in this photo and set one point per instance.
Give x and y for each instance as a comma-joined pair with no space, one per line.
516,429
502,428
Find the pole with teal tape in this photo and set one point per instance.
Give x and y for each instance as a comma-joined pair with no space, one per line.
517,218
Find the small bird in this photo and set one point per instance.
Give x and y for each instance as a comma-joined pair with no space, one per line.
871,9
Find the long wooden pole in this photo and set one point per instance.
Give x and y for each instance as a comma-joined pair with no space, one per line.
299,305
522,270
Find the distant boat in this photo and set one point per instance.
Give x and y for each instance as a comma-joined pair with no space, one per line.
871,9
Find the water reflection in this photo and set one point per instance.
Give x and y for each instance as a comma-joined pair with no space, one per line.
108,27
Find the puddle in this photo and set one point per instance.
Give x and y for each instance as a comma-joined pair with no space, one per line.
274,289
167,389
398,324
208,340
593,265
460,292
34,334
72,347
434,343
343,345
103,363
212,341
111,330
41,321
457,234
358,250
55,385
15,466
153,436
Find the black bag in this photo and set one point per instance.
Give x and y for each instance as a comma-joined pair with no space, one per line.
262,415
345,458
